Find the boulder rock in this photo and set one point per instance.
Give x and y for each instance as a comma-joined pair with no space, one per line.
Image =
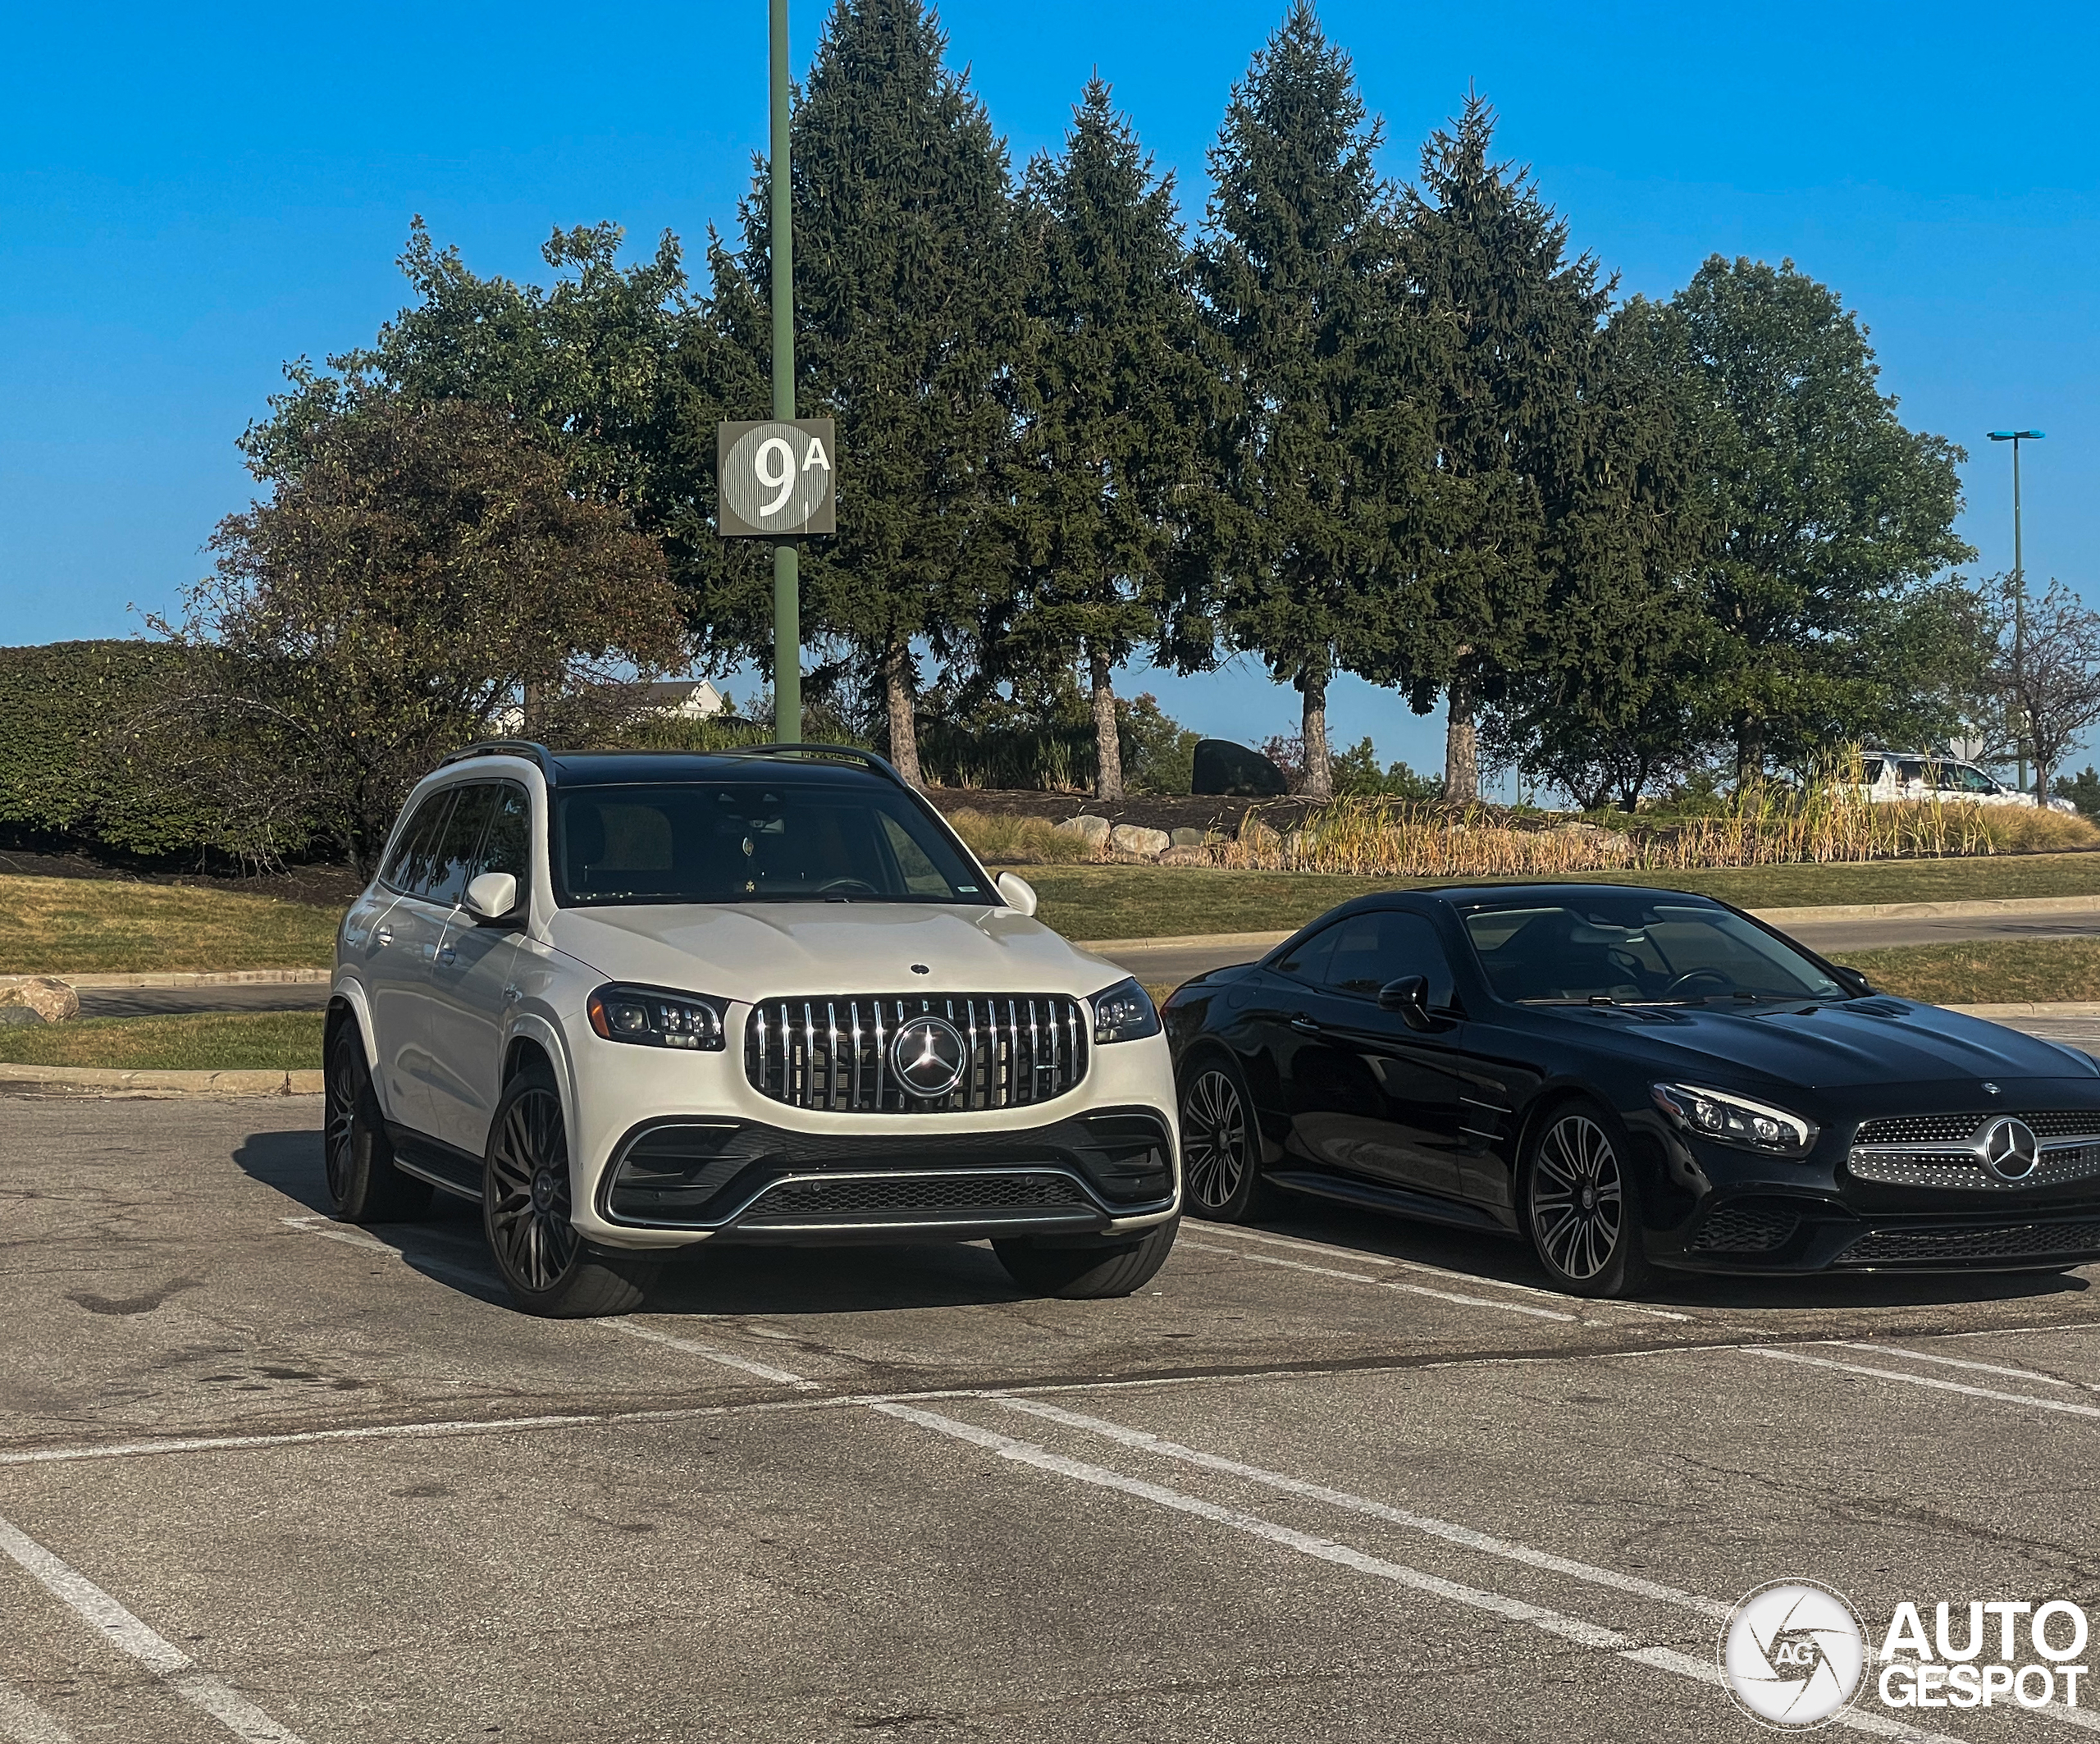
1223,767
14,1016
1187,856
1191,839
52,1000
1135,838
1090,829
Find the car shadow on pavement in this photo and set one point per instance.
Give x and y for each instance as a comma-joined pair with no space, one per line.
446,1244
1509,1261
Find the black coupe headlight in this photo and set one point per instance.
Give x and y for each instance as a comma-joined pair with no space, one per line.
1124,1013
1729,1118
649,1018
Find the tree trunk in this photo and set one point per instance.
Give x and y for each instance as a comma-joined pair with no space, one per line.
1461,745
1749,752
1318,782
903,730
1108,750
532,708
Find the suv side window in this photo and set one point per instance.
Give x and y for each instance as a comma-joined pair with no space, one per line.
459,846
1374,949
409,870
508,846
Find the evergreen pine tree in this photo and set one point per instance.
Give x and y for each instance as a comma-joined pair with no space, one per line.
1116,409
1321,450
1515,322
907,324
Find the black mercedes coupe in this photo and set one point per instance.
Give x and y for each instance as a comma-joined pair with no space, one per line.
1629,1078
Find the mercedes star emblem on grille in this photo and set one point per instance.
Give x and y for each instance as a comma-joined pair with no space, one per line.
930,1055
2010,1148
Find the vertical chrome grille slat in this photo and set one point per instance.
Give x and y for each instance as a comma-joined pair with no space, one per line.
1015,1057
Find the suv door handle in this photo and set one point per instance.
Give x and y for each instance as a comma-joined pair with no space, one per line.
383,938
446,954
1304,1025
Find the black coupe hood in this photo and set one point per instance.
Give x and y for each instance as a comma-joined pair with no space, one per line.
1842,1046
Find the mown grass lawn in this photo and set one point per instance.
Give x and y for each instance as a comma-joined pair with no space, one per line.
89,926
1986,971
262,1041
1135,901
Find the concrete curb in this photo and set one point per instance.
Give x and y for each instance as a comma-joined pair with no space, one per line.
1778,917
1999,1013
96,1080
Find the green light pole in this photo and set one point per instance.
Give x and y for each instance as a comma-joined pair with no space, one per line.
2019,598
787,574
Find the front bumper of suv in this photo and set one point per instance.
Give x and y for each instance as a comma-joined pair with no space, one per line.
667,1149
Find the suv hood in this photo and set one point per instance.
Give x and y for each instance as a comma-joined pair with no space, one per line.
767,950
1874,1041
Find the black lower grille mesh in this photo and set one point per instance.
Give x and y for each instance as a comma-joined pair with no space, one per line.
1745,1229
2010,1241
959,1195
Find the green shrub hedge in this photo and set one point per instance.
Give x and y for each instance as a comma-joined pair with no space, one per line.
64,771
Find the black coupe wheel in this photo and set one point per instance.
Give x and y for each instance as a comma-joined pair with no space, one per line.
1580,1207
548,1267
363,1184
1221,1146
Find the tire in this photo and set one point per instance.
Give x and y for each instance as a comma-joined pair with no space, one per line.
546,1265
363,1184
1582,1206
1221,1144
1088,1274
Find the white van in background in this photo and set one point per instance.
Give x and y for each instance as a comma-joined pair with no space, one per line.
1893,775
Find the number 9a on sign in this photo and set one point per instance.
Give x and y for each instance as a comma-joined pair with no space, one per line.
778,477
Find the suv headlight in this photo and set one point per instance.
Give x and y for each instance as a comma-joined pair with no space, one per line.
1124,1013
1735,1120
650,1017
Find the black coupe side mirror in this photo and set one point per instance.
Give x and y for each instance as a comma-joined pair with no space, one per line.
1852,981
1409,996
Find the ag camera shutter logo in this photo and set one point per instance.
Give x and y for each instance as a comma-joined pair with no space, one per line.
1791,1654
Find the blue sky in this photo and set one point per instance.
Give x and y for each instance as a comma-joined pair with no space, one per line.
191,196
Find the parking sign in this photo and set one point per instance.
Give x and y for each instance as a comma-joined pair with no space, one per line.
778,477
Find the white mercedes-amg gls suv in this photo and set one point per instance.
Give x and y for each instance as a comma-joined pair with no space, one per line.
630,1001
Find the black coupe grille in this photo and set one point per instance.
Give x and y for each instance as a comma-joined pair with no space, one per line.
834,1053
959,1196
1965,1171
1745,1229
2010,1241
1958,1129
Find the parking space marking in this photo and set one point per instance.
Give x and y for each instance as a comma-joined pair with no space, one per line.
1927,1356
1933,1382
128,1635
1145,1442
1579,1630
23,1721
690,1347
1358,1277
1423,1266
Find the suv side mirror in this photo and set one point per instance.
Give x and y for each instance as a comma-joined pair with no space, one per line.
491,897
1408,997
1019,893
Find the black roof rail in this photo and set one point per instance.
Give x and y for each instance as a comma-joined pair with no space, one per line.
530,748
850,753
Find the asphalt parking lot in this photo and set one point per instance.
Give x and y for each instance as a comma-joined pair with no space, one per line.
267,1477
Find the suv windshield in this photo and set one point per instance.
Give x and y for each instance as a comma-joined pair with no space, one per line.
752,842
1636,950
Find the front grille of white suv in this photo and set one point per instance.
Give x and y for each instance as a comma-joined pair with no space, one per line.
834,1053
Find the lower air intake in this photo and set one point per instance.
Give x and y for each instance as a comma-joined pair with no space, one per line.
957,1197
2015,1241
1745,1229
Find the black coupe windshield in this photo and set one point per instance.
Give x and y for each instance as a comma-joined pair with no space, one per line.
752,842
1636,950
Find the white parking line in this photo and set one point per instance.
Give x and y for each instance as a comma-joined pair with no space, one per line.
23,1721
1933,1382
127,1634
1358,1277
1576,1629
1148,1443
692,1348
1927,1356
1416,1265
330,1231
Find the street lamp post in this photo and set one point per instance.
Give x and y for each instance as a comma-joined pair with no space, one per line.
2019,599
787,574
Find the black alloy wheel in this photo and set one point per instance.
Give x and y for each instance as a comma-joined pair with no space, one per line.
1220,1145
363,1184
525,1212
1580,1206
